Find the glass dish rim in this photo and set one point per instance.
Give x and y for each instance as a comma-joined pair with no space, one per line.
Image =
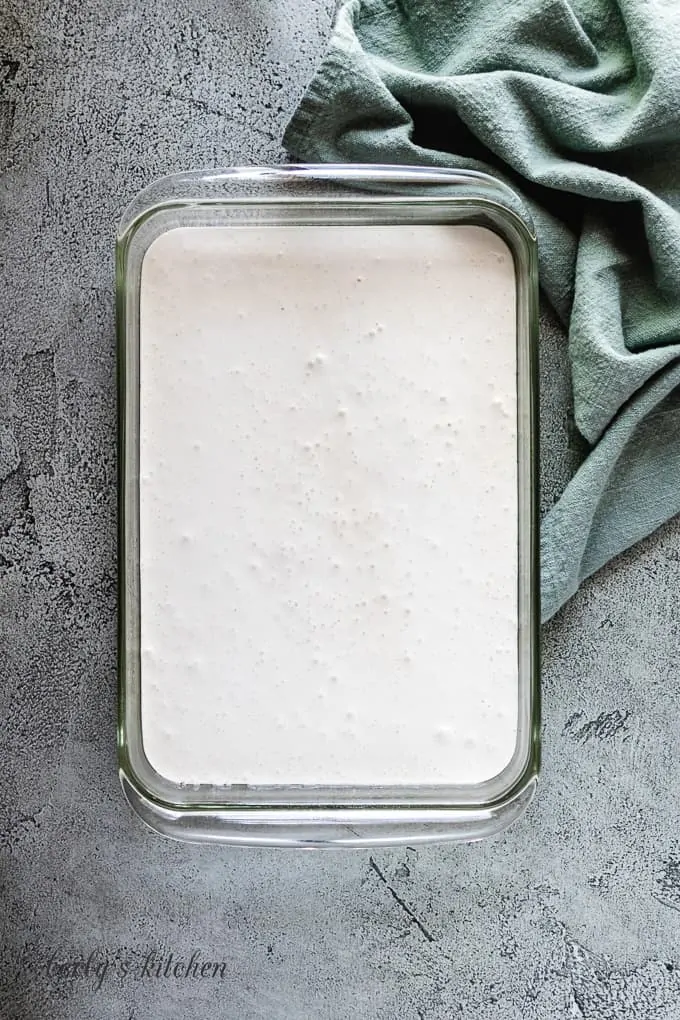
147,205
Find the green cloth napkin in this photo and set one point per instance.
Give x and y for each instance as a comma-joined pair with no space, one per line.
576,104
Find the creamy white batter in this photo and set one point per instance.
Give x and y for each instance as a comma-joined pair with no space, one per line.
328,505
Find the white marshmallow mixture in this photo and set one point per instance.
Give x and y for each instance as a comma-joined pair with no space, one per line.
328,505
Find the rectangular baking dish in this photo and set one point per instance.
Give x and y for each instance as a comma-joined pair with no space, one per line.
332,815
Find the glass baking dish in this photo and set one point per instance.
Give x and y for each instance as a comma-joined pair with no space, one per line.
300,814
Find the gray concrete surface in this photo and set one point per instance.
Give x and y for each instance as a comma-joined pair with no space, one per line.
575,912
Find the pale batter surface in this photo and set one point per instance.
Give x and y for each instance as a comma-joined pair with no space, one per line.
328,505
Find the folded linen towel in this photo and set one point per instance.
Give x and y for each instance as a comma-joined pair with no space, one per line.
576,104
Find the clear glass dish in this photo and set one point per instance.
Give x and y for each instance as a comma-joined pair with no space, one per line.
314,816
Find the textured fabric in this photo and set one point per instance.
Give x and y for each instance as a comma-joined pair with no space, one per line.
576,104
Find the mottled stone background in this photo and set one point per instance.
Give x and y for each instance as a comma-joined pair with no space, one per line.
574,913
